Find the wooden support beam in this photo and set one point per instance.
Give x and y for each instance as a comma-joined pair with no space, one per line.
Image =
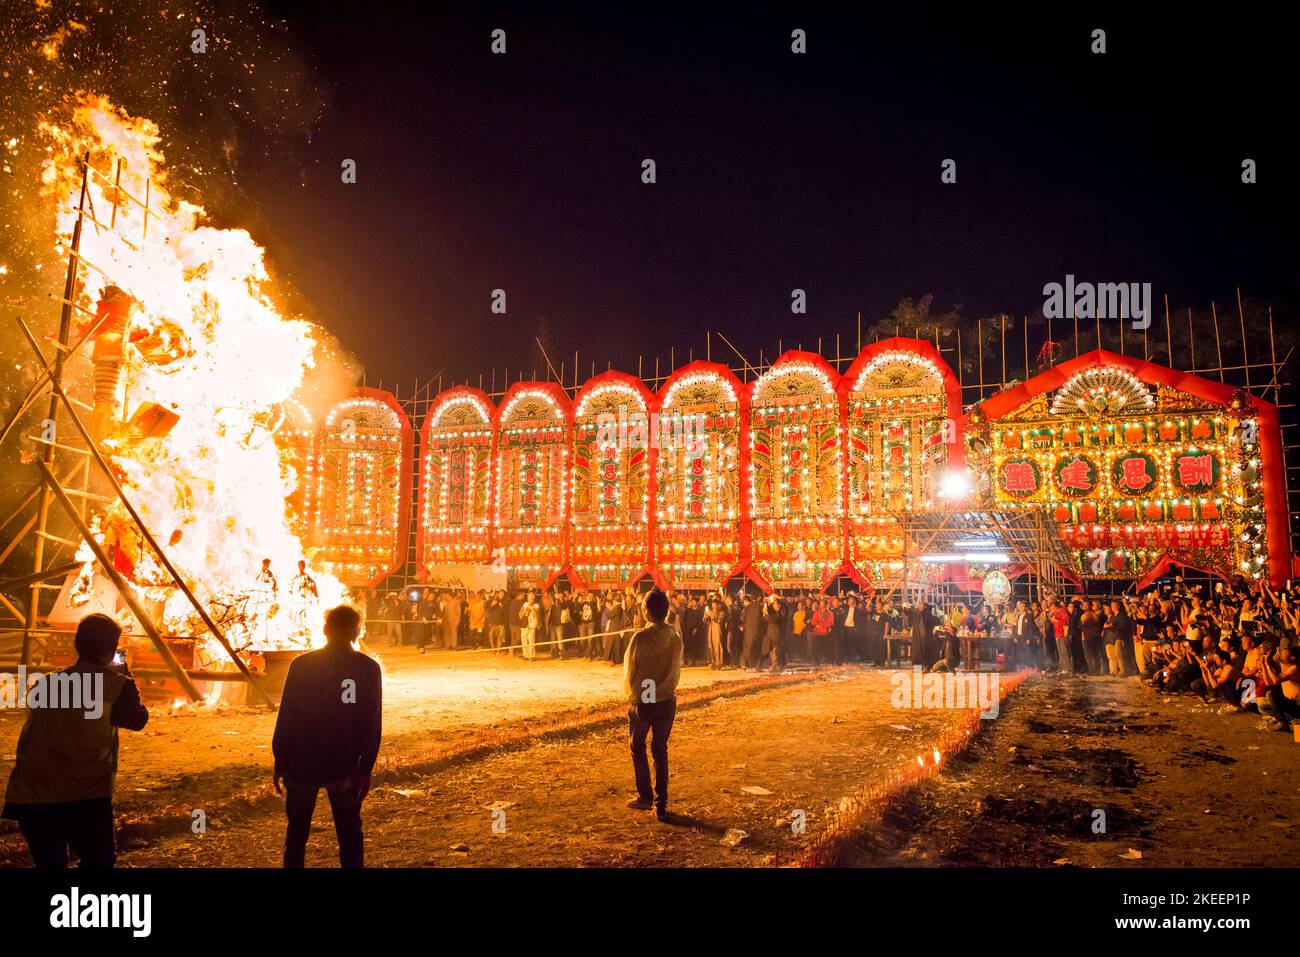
123,589
143,528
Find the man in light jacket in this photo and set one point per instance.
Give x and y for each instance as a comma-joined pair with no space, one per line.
651,670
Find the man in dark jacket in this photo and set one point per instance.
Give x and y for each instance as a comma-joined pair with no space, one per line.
693,631
494,616
327,736
735,632
923,622
774,620
752,622
61,788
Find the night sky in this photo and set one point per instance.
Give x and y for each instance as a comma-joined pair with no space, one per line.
775,172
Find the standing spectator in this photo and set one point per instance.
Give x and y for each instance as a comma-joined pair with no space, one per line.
799,622
735,632
327,736
923,622
453,610
715,622
494,617
430,614
752,626
378,627
613,644
588,614
853,631
514,623
693,632
651,669
1150,624
1090,628
773,631
1113,634
564,625
477,611
823,620
876,633
1059,619
547,617
61,788
529,617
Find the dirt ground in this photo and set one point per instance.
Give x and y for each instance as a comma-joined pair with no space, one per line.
1180,782
432,703
806,745
540,751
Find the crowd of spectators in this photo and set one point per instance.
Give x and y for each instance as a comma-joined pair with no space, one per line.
1230,642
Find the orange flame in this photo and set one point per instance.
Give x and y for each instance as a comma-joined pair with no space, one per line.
213,489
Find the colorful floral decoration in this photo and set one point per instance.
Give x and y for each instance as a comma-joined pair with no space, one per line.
698,519
1137,473
796,460
361,497
456,481
615,436
531,483
899,426
295,436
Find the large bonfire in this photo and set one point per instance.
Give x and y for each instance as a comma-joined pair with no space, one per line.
211,368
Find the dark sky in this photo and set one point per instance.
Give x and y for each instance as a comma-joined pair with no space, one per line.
775,172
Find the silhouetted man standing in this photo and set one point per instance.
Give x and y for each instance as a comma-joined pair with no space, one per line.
327,736
651,670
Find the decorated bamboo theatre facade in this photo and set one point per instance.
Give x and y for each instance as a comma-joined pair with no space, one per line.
800,475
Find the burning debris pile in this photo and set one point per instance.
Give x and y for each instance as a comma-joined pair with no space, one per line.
193,368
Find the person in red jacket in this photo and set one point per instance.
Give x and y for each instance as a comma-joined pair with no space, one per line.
1060,619
823,620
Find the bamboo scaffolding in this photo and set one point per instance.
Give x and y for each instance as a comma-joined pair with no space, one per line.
143,528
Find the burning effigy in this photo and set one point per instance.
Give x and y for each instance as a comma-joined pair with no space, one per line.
191,370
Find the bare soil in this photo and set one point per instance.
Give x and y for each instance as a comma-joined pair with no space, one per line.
1180,782
808,745
434,703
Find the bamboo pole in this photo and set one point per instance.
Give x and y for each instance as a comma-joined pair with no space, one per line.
144,530
56,374
1169,334
1245,357
1218,343
122,587
1002,379
1025,327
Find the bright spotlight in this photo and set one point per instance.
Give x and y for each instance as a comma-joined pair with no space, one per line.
954,485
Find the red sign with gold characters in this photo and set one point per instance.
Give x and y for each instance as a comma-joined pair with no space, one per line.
1020,476
1135,473
1076,475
